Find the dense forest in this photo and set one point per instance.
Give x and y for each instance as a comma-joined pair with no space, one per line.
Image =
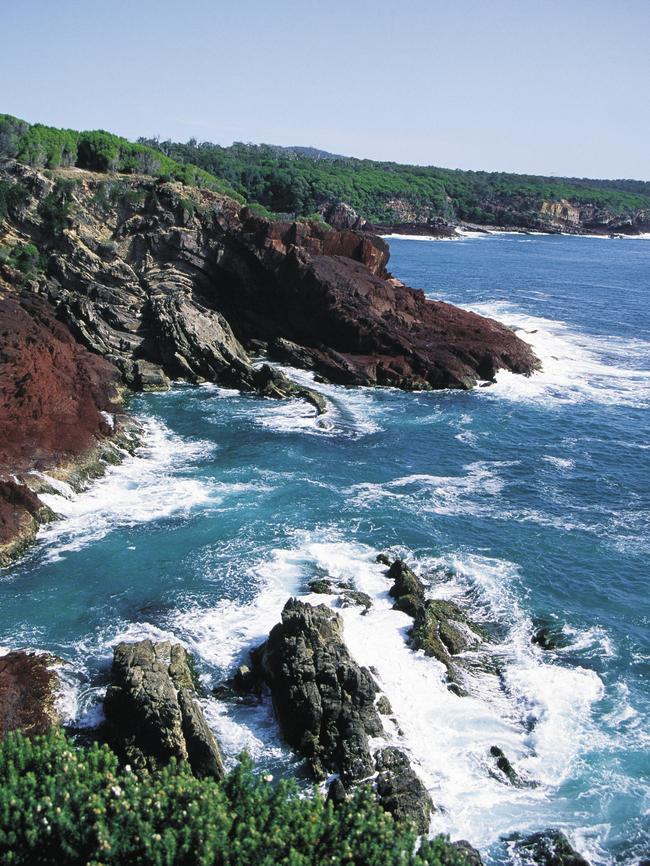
305,182
300,181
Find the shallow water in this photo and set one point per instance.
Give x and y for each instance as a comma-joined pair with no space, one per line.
525,499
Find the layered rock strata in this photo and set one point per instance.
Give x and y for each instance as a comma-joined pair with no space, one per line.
132,280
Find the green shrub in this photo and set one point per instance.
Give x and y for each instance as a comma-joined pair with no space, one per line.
64,805
13,197
24,257
56,207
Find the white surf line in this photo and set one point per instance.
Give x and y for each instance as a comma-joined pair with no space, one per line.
142,488
448,738
573,367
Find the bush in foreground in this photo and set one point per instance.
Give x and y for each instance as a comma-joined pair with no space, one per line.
62,804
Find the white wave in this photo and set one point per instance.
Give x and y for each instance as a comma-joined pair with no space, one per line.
576,367
448,738
472,493
403,237
145,487
559,462
351,412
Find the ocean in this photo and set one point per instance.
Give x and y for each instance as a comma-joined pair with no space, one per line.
526,502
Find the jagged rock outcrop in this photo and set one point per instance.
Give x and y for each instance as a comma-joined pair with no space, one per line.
400,790
28,687
325,702
327,709
547,848
144,272
151,710
441,628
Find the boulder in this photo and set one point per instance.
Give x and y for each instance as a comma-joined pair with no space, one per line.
547,848
151,711
400,791
469,853
28,687
150,377
323,700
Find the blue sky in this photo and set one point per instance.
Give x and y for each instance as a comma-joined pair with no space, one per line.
536,85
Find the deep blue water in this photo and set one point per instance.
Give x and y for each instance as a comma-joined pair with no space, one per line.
526,499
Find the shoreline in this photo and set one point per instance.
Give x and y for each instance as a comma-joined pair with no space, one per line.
484,231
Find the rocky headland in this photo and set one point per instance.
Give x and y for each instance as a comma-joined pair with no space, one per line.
117,283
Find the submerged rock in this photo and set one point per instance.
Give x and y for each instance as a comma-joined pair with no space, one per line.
548,635
28,687
400,791
270,382
320,585
323,700
548,848
355,598
151,711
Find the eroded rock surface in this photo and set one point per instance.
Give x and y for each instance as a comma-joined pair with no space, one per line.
55,398
547,848
324,701
184,278
28,685
400,790
441,628
328,709
151,710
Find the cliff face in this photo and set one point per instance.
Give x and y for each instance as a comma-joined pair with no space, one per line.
53,392
141,281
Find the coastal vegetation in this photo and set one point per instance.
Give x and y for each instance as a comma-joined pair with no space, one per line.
68,804
302,183
50,148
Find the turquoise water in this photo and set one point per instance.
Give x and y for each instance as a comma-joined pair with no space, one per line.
528,499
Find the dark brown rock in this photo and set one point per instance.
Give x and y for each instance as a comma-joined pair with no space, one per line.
27,692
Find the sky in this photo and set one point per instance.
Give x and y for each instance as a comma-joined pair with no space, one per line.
539,86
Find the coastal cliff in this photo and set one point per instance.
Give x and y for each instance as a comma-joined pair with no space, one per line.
109,282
